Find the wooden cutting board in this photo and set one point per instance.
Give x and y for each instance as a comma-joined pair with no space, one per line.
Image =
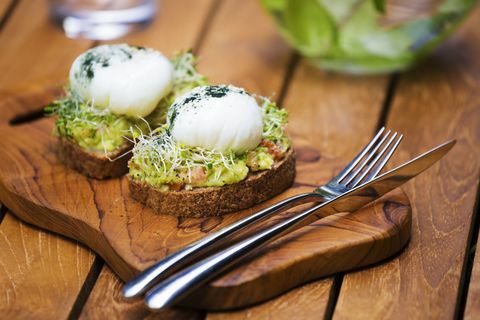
130,237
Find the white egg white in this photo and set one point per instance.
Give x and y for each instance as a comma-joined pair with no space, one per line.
125,79
218,118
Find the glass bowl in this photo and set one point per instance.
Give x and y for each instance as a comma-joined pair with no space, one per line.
369,36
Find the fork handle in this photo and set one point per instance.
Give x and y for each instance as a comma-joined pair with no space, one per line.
173,289
210,243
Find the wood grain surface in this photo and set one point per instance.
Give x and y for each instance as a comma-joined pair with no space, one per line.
243,48
175,28
437,101
38,52
41,273
307,302
159,36
4,7
106,302
472,309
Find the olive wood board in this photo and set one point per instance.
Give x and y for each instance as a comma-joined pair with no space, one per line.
130,237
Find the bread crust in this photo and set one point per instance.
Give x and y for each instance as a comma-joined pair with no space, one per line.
94,164
214,201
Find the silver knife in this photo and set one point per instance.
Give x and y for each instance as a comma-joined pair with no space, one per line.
173,289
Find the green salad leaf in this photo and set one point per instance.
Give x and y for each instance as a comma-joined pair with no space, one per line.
379,5
339,10
349,35
361,36
308,26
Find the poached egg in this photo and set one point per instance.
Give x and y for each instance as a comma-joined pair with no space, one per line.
220,118
127,80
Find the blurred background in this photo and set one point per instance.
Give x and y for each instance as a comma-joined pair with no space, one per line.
354,36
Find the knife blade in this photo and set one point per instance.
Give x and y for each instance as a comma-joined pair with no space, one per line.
173,289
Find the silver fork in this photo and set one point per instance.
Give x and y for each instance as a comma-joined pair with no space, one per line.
363,168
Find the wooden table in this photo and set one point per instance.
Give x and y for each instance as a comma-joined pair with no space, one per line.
43,275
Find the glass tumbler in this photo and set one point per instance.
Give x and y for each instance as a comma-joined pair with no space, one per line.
101,19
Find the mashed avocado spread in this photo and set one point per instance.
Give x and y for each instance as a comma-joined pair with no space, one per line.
166,164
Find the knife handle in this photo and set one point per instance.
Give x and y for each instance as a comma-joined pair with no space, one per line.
170,291
210,243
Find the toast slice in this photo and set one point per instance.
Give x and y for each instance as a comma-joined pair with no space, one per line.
94,164
214,201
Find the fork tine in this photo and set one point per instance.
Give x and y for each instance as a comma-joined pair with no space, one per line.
366,161
359,157
384,161
373,165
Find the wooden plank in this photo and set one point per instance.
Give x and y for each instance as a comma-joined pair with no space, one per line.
309,300
40,273
106,302
243,48
35,50
166,41
4,6
472,309
344,111
177,26
435,102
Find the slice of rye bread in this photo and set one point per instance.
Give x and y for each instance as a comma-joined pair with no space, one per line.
214,201
94,164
